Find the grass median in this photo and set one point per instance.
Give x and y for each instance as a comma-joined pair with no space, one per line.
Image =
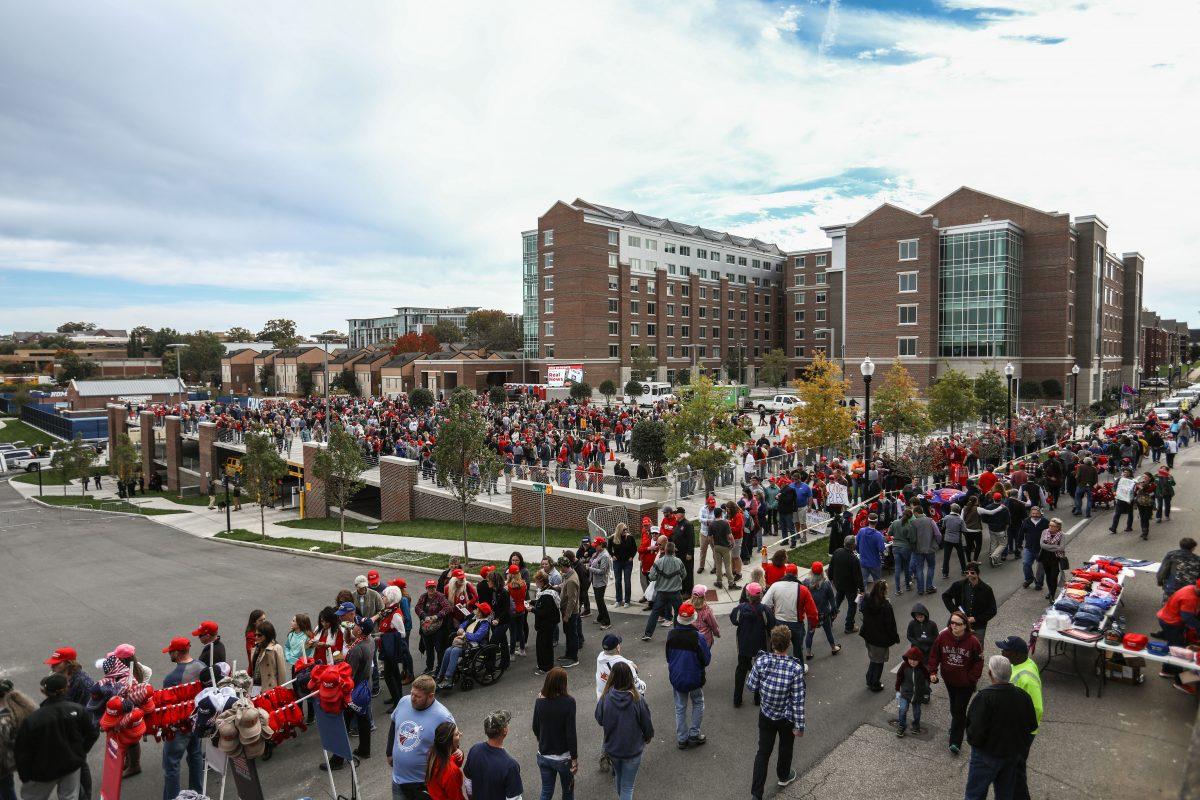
435,529
88,502
15,430
399,557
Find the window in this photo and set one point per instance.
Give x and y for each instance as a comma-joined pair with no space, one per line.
729,313
741,261
549,305
767,317
703,290
714,256
755,263
742,315
822,333
821,260
633,285
650,286
703,332
635,307
799,333
703,351
685,291
729,333
801,297
908,282
684,250
732,295
685,271
670,269
652,244
800,261
612,329
613,238
612,283
670,290
670,330
548,237
549,351
612,305
702,312
716,332
907,315
653,348
635,329
651,329
685,331
799,351
822,297
548,282
906,346
685,311
822,279
668,247
651,308
820,315
670,351
908,249
548,258
800,279
634,241
651,265
635,263
800,316
701,253
670,309
549,328
612,260
716,351
614,351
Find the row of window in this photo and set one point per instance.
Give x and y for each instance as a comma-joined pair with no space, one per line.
800,315
821,260
646,243
801,297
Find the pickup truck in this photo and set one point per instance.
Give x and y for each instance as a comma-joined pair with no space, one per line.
780,402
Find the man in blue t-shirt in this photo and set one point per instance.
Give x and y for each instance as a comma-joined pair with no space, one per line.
184,745
491,773
871,546
410,737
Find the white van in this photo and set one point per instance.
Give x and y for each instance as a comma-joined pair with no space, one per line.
653,392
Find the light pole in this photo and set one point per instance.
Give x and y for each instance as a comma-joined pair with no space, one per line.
1008,374
228,526
178,348
867,367
325,386
1074,395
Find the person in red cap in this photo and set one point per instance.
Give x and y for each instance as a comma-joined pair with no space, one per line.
432,611
65,661
212,651
473,631
792,605
599,566
190,744
825,599
373,581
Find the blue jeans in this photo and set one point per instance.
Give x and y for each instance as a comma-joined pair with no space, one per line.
666,605
1082,492
8,789
625,772
682,731
449,663
1028,559
871,575
623,579
985,770
827,626
174,751
787,525
797,629
573,630
929,561
902,717
552,768
903,557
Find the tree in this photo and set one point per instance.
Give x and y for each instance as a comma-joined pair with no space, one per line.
202,356
898,406
952,400
262,469
415,343
465,392
280,332
75,368
683,377
74,462
1052,389
19,399
465,461
134,347
991,394
125,462
304,380
701,435
447,332
497,396
76,327
55,342
494,330
633,389
581,392
421,399
161,341
819,419
642,365
347,381
340,464
239,334
609,390
735,364
648,445
266,376
1030,389
774,368
7,347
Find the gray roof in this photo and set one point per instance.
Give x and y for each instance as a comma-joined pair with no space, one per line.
138,386
683,229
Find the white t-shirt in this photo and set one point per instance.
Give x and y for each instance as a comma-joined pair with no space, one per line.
604,665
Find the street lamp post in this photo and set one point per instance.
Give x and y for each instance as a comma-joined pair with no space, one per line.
228,526
178,348
1074,395
1008,374
868,369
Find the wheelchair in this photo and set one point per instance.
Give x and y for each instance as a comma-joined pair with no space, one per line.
480,664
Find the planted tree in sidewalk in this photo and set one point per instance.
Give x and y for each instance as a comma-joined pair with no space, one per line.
125,462
633,389
421,398
952,400
581,392
899,407
991,394
774,368
820,419
74,462
464,460
648,445
701,435
609,390
339,464
262,468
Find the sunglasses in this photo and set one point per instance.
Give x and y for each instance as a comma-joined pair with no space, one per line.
958,624
971,572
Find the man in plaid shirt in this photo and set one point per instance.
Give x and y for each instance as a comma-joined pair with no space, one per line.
779,679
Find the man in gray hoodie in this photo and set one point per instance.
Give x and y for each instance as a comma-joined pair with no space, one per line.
926,539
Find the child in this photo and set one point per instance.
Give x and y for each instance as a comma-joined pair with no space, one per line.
706,623
922,631
912,689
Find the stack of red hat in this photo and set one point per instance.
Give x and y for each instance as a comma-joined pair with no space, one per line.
334,684
177,694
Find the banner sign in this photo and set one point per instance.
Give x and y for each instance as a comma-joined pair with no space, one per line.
564,374
836,495
334,738
114,764
245,778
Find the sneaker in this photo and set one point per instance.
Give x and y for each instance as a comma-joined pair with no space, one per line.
734,586
789,779
1185,689
354,731
900,733
646,638
899,592
954,749
539,672
666,623
809,655
567,663
1025,584
698,739
719,585
585,614
605,627
1162,673
684,745
916,727
931,590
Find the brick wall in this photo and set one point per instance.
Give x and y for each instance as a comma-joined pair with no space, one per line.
147,428
314,487
174,452
208,437
568,508
397,477
118,426
432,504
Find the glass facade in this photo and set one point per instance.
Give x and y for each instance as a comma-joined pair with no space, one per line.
529,292
979,290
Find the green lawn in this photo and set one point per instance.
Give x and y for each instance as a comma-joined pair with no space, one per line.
188,500
814,550
15,430
410,557
52,477
434,529
88,501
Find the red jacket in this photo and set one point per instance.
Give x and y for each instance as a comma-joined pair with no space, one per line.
645,554
772,572
1183,603
805,607
961,660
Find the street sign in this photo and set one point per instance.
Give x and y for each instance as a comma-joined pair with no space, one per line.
543,488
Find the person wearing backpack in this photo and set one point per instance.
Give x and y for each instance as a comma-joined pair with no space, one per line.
667,575
687,657
753,622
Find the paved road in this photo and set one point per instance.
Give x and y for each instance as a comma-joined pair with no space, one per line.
93,581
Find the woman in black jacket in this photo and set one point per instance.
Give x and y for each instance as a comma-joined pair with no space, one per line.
623,549
554,727
878,631
546,615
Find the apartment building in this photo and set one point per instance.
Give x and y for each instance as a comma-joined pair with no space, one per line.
367,331
599,281
814,306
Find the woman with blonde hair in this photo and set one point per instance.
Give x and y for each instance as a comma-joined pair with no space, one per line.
706,621
14,708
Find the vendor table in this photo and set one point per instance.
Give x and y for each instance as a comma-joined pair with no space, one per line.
1103,647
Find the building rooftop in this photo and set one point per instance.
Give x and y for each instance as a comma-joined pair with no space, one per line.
665,225
139,386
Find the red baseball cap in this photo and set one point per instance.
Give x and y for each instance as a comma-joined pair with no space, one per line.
373,575
458,573
791,569
62,655
600,542
431,583
400,582
513,569
997,496
818,567
178,645
710,501
486,570
485,608
206,628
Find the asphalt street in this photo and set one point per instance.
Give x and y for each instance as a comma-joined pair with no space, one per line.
93,581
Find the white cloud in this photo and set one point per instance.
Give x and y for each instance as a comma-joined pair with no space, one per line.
394,152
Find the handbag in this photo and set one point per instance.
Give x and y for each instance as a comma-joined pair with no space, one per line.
1063,563
650,592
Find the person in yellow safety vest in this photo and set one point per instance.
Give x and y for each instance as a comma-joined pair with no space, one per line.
1027,678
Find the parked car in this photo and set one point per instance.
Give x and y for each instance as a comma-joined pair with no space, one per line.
11,459
779,402
37,462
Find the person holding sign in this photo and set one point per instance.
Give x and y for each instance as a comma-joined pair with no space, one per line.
1123,500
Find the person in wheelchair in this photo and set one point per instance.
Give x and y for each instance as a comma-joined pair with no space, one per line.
471,635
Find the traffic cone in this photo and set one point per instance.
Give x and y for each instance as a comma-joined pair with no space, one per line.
610,456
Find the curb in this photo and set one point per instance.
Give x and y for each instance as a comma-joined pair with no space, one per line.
95,510
329,556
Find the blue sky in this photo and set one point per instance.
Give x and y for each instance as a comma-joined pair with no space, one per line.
204,165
